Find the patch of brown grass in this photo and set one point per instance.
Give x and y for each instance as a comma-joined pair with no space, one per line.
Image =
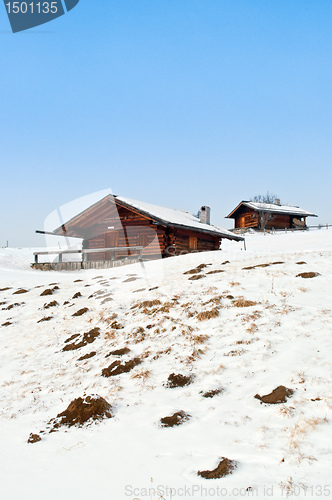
234,283
237,352
252,329
300,430
110,335
147,304
199,339
161,353
186,330
247,342
203,316
194,356
104,316
166,307
287,411
142,376
116,326
139,335
241,302
213,300
255,315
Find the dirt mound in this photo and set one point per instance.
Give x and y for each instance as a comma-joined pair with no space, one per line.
278,395
6,324
81,410
48,318
263,265
22,290
88,338
81,311
48,291
197,277
87,356
72,338
216,271
177,418
116,368
179,380
225,262
4,289
118,352
54,303
300,263
77,294
108,299
212,393
34,438
225,467
307,275
11,306
116,326
196,270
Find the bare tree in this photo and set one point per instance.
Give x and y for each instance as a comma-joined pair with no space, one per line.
267,198
263,216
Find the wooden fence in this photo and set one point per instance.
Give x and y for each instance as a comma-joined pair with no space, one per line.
84,263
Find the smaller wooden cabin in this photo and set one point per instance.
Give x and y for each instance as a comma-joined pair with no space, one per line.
121,223
261,216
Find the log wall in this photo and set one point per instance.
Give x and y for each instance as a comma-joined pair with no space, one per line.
205,242
248,218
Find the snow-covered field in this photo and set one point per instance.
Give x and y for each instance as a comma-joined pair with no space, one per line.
241,331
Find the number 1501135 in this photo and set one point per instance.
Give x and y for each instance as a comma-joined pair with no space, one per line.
32,8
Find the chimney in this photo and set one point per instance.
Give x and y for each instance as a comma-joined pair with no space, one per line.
277,201
205,215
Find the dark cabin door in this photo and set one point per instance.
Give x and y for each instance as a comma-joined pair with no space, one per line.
111,240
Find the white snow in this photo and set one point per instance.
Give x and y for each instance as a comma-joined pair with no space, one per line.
282,339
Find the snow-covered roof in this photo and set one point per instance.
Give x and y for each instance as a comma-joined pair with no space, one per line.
274,208
178,218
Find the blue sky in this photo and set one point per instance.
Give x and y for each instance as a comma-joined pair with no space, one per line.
181,103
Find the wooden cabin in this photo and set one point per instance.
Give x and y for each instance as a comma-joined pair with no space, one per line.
116,222
261,216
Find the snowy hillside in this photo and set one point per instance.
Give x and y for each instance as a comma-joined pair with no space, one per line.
201,339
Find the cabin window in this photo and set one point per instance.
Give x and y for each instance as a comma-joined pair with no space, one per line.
193,242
